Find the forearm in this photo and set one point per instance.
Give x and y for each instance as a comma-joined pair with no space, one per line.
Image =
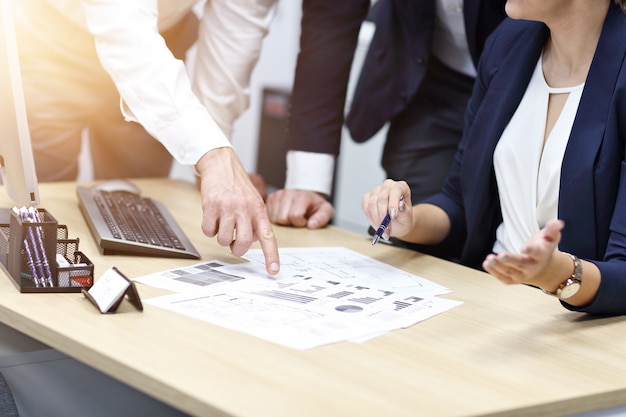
430,226
562,269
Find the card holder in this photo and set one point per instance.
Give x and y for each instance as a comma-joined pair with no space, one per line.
110,290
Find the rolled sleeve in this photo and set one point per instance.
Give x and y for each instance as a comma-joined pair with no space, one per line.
228,48
155,87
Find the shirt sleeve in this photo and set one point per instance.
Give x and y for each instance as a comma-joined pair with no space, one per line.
329,37
229,45
155,87
328,40
301,165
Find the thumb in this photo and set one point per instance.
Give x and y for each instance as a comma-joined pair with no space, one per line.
552,230
321,217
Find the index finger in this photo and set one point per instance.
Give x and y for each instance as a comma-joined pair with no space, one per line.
269,245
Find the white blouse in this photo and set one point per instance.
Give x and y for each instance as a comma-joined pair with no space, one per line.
527,171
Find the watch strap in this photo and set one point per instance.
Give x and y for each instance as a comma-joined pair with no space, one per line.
575,278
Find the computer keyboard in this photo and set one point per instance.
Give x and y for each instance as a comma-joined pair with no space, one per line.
124,222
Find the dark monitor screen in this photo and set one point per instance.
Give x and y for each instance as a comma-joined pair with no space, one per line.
19,178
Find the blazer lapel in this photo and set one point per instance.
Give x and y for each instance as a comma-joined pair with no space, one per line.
506,89
508,77
470,13
587,135
481,18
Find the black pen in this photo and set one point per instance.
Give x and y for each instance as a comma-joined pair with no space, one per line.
383,226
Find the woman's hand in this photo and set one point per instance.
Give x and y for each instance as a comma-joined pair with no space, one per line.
389,198
540,263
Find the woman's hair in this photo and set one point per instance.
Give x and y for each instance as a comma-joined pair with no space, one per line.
622,4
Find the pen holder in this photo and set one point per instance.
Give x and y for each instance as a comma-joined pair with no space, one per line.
38,257
77,269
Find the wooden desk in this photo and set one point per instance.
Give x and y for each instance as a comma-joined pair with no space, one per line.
507,351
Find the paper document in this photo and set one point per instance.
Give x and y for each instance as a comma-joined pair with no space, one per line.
321,296
191,278
336,263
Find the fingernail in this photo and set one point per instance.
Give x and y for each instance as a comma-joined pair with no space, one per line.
392,212
274,267
504,258
402,207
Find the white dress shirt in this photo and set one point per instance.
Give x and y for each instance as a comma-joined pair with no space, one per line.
450,38
190,117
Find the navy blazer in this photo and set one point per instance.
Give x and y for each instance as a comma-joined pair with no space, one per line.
403,37
592,198
330,30
399,54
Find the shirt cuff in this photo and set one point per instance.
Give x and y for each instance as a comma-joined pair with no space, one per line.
310,171
189,137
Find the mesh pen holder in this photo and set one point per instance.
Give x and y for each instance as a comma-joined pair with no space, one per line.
40,258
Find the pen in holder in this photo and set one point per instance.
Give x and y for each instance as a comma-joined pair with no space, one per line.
39,256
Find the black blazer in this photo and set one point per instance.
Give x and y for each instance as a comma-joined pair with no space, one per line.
399,54
330,30
396,64
592,196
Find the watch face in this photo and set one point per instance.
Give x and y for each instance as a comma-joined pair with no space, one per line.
570,289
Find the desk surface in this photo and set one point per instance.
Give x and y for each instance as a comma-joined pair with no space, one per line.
506,351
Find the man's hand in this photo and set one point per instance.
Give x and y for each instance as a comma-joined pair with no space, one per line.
233,209
259,184
299,208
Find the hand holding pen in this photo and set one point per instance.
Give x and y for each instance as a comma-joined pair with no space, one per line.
385,223
387,201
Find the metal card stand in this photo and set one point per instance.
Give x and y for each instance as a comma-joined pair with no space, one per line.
130,293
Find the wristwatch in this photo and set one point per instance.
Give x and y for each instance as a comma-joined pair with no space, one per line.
571,285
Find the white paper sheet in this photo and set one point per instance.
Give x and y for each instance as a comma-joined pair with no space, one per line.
336,264
190,278
322,295
305,314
